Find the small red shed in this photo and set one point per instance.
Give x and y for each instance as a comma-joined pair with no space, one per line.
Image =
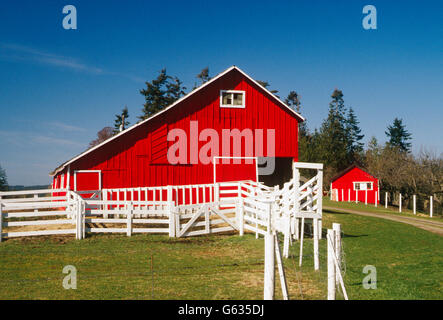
249,123
355,184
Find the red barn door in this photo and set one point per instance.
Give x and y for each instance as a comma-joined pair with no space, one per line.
87,180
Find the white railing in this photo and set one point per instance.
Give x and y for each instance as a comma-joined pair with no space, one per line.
240,205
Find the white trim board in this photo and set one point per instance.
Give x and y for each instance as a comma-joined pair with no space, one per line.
63,166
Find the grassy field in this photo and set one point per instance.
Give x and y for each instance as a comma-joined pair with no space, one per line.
409,265
381,209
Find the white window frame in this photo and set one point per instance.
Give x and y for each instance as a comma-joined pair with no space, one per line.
242,106
359,182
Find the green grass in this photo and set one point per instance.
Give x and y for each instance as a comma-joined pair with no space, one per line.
379,209
408,260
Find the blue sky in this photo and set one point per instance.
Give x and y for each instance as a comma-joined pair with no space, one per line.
59,87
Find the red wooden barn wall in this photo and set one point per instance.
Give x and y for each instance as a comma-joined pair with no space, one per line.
346,181
138,157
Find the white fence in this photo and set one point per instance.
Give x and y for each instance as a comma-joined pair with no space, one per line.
176,210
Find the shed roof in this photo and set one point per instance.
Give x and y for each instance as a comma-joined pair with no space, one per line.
342,173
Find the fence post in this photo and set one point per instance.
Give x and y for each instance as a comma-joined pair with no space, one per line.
376,202
366,196
336,195
386,200
320,228
320,201
287,236
83,218
1,220
241,216
399,206
77,219
129,208
297,202
356,196
349,195
337,246
316,259
269,281
331,266
170,212
414,204
281,270
105,207
431,204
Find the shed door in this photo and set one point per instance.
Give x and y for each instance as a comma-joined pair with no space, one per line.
88,183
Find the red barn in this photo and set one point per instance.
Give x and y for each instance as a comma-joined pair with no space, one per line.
194,141
355,184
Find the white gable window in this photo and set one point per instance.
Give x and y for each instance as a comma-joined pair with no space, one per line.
362,185
232,99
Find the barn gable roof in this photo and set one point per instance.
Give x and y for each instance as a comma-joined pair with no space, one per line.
342,173
291,111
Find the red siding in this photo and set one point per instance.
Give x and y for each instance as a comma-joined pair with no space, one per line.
346,183
138,157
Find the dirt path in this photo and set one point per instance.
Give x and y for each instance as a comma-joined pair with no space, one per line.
432,226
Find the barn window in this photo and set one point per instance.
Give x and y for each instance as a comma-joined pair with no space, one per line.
232,99
362,185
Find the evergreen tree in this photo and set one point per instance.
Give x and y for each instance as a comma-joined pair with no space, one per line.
203,76
293,101
354,137
3,180
266,85
119,120
398,136
160,93
332,145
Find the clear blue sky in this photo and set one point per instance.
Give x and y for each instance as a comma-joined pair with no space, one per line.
59,87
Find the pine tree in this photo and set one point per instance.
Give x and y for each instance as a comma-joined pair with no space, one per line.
203,76
398,136
160,93
266,85
332,135
293,101
354,137
119,120
3,180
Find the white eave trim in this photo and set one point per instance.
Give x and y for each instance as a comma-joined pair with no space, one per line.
63,166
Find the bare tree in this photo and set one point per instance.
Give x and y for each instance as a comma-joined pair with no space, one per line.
103,135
